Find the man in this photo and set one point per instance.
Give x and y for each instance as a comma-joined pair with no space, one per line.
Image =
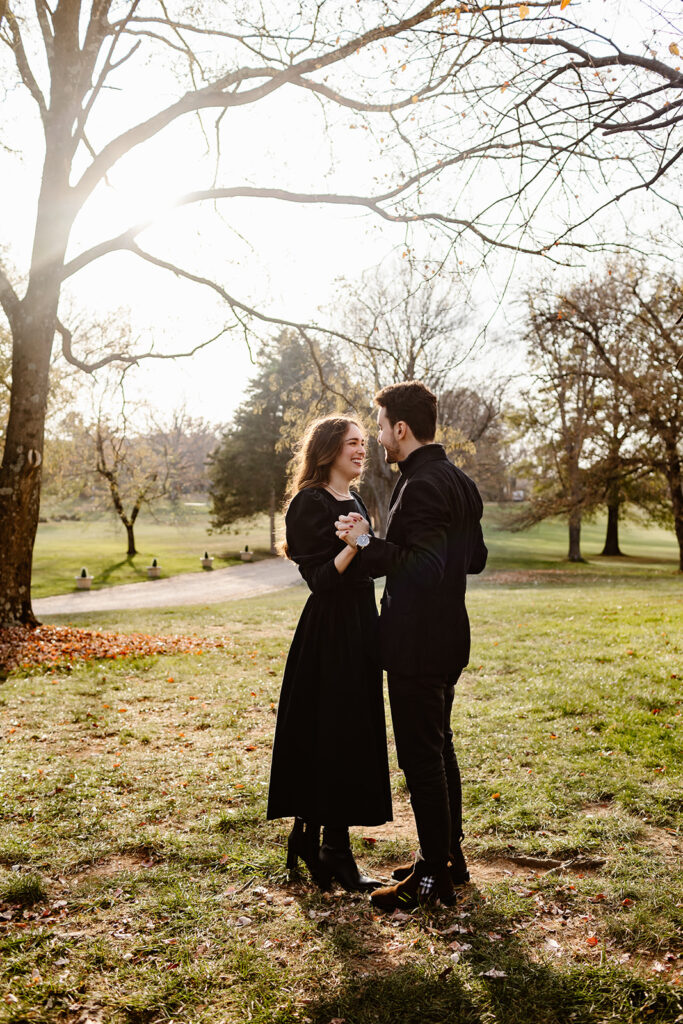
433,540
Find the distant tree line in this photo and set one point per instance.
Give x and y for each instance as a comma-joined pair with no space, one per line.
391,328
597,424
602,414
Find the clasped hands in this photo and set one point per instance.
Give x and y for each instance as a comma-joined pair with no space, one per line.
349,527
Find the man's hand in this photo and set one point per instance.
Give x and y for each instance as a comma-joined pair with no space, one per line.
350,527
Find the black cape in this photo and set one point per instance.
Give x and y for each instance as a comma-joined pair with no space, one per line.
330,751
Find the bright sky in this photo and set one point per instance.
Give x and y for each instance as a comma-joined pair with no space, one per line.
284,258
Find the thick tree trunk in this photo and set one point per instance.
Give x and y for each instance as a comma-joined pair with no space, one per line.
612,536
20,473
32,324
574,554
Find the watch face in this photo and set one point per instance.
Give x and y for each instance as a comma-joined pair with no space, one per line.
363,540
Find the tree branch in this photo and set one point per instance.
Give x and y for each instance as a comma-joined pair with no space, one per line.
9,300
22,62
44,15
215,95
127,358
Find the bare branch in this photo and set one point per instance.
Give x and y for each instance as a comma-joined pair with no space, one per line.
22,62
126,358
44,15
9,300
215,94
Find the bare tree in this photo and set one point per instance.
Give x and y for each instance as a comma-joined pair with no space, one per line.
477,412
413,75
133,472
644,314
398,326
559,414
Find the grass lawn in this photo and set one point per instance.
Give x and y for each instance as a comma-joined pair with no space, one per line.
63,548
139,882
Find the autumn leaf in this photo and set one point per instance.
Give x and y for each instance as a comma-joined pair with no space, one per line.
674,50
64,645
565,3
592,940
523,11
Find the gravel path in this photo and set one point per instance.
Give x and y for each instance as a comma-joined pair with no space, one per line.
229,584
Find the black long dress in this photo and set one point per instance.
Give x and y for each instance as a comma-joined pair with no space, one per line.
330,751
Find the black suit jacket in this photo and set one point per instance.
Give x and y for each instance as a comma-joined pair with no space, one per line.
433,541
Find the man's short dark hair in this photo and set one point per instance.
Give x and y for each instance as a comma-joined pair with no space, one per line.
413,403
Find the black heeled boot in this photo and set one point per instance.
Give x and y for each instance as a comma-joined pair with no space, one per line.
337,858
304,842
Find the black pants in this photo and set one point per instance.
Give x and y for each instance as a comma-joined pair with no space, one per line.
421,715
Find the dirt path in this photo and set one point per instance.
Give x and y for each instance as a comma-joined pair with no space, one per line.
229,584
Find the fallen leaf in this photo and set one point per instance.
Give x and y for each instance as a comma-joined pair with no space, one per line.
592,940
493,973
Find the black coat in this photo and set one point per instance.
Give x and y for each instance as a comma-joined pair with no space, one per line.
433,540
330,751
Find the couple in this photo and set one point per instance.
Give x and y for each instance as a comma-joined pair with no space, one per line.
330,765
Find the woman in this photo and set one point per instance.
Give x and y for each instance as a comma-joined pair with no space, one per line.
330,763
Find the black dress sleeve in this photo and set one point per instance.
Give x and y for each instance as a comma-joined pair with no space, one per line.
312,541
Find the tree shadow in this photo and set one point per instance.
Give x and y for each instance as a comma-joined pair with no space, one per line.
129,561
389,982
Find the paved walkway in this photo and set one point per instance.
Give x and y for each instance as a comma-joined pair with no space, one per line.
229,584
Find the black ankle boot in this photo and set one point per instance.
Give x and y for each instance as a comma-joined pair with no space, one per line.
341,866
304,842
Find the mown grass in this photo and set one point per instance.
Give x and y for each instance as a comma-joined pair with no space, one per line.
63,548
99,544
133,799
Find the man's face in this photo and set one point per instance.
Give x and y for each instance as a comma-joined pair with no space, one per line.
386,437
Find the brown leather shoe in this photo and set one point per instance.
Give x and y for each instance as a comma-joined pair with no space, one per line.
422,887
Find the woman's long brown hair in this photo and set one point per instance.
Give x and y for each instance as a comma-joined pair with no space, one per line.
318,448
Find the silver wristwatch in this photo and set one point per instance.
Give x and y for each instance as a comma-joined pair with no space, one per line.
363,540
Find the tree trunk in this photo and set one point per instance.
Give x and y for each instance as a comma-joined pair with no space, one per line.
20,473
674,476
612,536
32,324
130,527
575,537
271,514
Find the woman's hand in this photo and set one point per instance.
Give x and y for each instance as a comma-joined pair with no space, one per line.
349,528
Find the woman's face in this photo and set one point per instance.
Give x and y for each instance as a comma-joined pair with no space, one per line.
349,461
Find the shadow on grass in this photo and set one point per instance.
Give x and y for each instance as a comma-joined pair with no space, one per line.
437,990
103,577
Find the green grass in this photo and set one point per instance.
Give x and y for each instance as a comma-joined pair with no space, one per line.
546,544
133,800
63,548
